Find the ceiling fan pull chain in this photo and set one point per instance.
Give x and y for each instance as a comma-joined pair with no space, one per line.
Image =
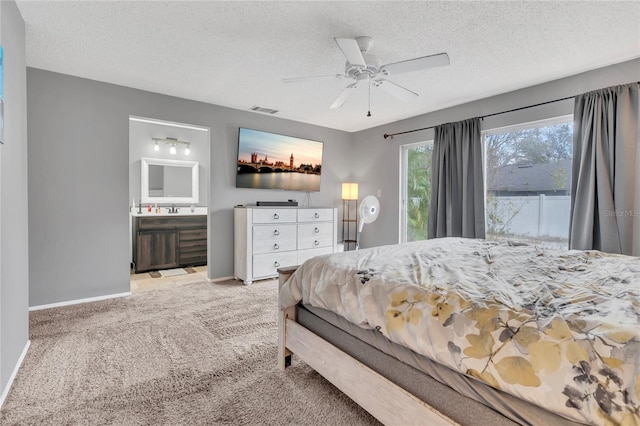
369,87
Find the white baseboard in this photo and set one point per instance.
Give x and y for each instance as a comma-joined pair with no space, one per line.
7,388
75,302
213,280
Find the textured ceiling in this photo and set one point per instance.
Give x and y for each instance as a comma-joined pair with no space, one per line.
236,53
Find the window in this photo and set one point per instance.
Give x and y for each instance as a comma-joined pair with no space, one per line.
415,191
528,182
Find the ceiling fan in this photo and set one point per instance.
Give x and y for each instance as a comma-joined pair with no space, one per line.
365,68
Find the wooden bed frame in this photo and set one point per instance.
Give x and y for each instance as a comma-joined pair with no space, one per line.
385,400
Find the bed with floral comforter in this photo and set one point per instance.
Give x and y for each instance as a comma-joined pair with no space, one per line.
558,328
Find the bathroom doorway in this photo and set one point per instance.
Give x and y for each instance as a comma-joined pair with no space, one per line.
169,168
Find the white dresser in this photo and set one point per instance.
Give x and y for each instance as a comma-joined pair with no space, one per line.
267,238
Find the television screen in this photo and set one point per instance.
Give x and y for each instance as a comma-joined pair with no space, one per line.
271,161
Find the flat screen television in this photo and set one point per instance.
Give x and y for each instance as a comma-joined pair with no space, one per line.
272,161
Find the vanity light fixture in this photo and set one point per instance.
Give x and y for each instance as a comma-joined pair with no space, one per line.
173,145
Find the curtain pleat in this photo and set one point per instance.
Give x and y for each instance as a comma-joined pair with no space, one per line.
457,181
605,199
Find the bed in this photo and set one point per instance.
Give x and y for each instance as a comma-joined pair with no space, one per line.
461,331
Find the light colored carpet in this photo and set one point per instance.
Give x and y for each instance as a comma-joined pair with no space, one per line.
198,354
172,272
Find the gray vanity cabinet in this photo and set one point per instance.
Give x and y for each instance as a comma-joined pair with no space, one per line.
156,249
165,242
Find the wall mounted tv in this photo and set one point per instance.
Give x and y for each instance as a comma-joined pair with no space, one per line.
272,161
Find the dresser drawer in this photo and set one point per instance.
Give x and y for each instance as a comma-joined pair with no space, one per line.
274,232
274,245
266,265
315,242
304,255
315,229
274,215
193,234
191,246
315,215
193,258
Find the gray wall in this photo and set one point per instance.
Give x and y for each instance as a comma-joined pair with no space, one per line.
141,145
79,170
14,250
379,159
79,179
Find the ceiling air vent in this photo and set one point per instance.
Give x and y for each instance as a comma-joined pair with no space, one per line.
265,110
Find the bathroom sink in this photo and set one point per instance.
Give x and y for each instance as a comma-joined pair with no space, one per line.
182,211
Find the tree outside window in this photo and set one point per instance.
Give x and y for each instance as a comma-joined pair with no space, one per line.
418,190
528,184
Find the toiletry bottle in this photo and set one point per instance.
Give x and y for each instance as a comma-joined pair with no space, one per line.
193,209
157,208
149,208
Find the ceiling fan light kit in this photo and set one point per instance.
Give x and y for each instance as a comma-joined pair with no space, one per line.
361,65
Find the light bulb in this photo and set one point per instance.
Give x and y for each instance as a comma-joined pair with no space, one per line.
172,150
187,150
156,147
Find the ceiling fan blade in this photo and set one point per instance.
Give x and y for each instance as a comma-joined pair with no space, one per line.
395,89
312,78
415,64
344,95
351,51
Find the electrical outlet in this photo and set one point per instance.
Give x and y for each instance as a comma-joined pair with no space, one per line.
379,192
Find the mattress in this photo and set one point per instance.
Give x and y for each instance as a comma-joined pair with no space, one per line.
559,329
461,398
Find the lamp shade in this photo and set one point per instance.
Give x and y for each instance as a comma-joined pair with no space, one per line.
349,191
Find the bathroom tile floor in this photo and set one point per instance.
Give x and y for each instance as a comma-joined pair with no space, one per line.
144,281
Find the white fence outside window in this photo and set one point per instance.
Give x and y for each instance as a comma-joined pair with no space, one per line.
539,216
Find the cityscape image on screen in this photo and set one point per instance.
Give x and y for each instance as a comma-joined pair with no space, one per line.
272,161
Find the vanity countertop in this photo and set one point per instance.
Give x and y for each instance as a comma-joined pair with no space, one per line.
182,211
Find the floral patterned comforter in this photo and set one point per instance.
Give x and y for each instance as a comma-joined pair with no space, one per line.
558,328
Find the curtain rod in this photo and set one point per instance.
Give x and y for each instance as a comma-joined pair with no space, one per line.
386,135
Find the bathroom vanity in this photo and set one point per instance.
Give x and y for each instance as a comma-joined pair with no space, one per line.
168,241
163,237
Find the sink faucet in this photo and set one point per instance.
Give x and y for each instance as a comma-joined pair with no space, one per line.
173,209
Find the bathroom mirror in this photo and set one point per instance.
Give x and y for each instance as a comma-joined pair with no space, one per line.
169,181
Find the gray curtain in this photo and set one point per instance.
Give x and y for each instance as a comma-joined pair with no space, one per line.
605,202
457,181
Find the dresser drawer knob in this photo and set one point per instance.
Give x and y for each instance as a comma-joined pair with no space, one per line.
276,232
276,263
316,242
316,215
316,230
276,246
275,216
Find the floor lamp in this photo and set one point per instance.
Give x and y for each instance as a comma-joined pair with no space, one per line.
349,221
